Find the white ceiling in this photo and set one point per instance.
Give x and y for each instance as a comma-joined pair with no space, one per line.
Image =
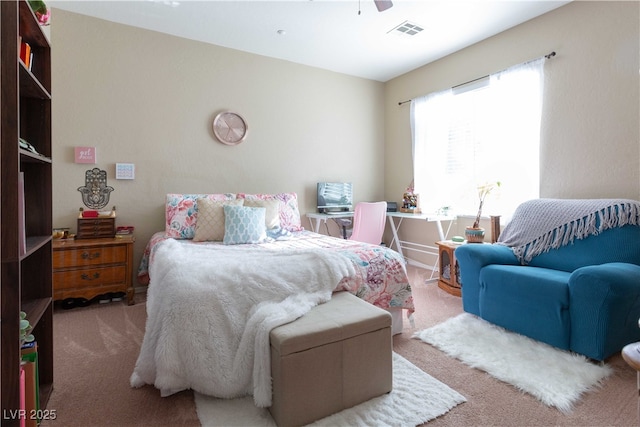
347,36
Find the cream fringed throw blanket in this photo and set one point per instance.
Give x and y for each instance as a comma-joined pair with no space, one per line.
543,224
210,310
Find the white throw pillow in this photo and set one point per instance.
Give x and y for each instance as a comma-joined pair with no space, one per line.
272,214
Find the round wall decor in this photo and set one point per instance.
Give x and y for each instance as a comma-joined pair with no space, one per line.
230,128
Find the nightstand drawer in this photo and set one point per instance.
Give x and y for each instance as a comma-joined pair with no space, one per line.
90,267
89,256
98,276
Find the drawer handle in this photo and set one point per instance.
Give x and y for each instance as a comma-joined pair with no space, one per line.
87,277
87,255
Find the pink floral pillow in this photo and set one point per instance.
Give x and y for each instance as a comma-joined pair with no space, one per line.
288,207
181,213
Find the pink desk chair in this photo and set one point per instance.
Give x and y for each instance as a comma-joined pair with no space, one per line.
368,222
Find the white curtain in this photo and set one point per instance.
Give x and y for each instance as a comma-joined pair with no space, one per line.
461,141
430,117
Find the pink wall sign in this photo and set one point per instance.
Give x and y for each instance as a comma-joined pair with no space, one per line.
85,154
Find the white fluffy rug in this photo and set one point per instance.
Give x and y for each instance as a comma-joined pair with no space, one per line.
416,398
555,377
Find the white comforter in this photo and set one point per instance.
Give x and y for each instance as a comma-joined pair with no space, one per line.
208,323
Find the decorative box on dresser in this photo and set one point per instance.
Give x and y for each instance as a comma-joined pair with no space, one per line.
90,228
25,205
86,268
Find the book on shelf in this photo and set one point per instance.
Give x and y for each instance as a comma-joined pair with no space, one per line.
29,355
124,230
28,347
89,214
23,420
21,216
25,54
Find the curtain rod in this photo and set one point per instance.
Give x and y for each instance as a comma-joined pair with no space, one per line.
548,56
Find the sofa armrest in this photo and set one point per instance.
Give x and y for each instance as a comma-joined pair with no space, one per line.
471,259
605,308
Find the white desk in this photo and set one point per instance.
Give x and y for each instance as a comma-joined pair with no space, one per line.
316,218
395,221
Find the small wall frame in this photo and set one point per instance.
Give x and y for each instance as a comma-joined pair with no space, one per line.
125,171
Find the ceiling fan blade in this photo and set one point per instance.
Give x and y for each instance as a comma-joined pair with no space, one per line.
383,5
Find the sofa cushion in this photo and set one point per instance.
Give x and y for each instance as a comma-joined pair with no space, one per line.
605,306
532,301
612,245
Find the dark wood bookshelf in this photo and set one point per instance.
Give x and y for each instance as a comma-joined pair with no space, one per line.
25,273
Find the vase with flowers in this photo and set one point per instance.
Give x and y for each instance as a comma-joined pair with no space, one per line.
410,201
475,233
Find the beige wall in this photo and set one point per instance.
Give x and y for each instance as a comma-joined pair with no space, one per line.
590,131
147,98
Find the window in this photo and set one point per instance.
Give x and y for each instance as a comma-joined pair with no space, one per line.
483,132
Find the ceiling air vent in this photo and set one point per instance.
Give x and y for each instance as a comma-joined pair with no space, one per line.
406,29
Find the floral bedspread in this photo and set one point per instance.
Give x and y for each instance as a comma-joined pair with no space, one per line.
381,277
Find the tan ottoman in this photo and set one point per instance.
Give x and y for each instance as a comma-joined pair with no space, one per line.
336,356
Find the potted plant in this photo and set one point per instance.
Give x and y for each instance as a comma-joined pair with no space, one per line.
475,233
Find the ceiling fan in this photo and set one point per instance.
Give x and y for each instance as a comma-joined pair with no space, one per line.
383,5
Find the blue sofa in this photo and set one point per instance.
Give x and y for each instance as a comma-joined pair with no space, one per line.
577,288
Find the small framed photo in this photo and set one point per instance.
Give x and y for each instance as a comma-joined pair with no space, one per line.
85,155
125,171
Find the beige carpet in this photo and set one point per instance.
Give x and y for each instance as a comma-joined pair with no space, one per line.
96,348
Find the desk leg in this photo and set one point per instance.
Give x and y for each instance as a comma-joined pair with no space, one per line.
394,231
315,225
440,232
442,238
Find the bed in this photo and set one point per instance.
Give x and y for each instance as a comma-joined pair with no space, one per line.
230,267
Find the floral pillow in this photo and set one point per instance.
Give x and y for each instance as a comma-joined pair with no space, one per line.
287,208
244,225
181,213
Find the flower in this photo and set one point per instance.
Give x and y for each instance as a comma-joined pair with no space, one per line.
410,188
483,192
41,10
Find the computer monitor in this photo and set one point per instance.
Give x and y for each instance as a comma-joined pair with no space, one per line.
335,196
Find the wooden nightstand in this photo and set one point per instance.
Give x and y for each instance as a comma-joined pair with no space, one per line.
90,267
448,268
